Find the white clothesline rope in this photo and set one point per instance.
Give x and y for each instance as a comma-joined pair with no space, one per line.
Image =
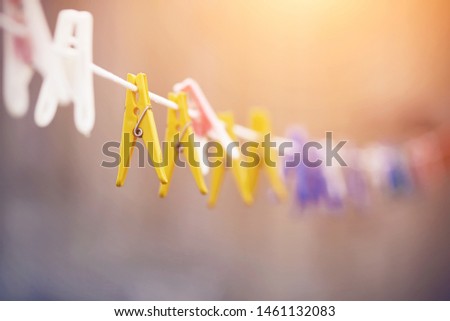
99,71
240,131
243,132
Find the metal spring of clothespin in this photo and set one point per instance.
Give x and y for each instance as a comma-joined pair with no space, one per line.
183,132
137,130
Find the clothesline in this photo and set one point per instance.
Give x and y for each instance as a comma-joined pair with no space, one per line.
243,132
240,131
99,71
384,164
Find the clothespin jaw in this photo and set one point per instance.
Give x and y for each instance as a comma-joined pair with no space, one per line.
139,122
260,123
179,126
239,173
217,175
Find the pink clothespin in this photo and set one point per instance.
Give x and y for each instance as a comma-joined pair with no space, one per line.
206,124
426,158
27,46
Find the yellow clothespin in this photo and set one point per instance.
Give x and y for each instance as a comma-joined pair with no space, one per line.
179,124
239,173
260,123
139,121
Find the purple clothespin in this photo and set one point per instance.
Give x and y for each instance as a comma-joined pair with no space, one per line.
310,186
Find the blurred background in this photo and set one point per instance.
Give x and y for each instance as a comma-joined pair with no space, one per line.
369,71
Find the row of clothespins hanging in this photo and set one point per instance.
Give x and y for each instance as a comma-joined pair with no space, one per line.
379,169
66,65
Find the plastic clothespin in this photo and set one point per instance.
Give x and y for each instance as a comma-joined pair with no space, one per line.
239,173
207,124
399,178
310,183
426,159
260,123
27,46
293,165
387,168
296,135
374,165
139,121
179,130
314,185
335,181
73,49
356,181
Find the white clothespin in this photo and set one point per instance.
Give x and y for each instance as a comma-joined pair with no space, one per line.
336,185
73,49
374,160
335,179
207,124
27,45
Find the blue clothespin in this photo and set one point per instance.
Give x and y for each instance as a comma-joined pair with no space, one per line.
398,176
